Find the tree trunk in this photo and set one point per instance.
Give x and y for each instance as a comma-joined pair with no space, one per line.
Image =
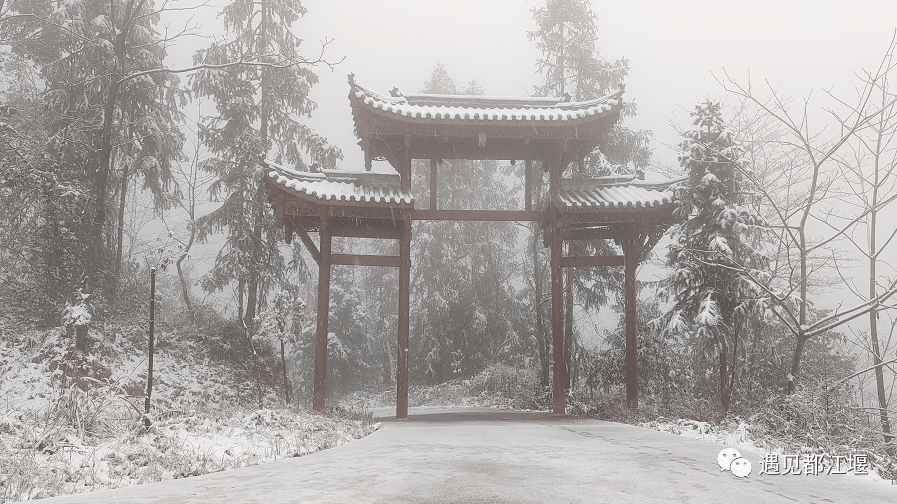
120,231
258,203
873,335
873,313
185,291
286,381
95,253
801,338
795,362
541,339
240,288
724,391
255,362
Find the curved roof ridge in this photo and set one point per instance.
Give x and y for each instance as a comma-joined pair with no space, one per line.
484,107
481,100
359,187
616,192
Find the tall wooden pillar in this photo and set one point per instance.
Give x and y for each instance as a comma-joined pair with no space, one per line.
558,377
630,254
323,313
404,319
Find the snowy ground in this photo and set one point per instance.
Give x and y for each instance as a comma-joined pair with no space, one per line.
479,393
57,441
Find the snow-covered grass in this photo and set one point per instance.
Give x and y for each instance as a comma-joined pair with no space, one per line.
815,421
91,435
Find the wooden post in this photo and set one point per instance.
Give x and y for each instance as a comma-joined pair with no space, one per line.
433,186
631,253
323,311
404,319
150,350
528,185
558,377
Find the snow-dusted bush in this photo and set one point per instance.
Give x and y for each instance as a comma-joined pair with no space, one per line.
520,386
824,419
90,434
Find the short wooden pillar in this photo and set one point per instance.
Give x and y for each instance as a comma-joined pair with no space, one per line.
323,313
404,319
630,254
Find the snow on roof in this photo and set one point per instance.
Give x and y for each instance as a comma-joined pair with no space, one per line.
484,108
615,192
335,186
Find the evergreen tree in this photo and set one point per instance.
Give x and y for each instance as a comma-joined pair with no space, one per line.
715,251
111,112
463,303
259,106
572,66
361,333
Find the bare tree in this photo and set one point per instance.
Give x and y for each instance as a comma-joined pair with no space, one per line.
805,197
869,169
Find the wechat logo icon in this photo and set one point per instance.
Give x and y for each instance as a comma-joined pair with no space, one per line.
730,459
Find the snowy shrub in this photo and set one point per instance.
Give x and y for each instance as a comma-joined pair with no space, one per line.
518,385
90,434
823,419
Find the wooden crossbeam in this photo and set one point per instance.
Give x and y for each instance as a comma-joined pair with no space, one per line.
364,260
591,261
479,215
595,234
363,232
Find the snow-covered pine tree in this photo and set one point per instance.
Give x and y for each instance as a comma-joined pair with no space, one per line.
111,113
715,252
463,304
259,105
567,36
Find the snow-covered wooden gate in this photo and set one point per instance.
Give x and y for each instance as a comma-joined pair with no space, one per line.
401,128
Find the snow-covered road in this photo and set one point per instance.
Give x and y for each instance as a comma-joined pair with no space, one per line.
486,456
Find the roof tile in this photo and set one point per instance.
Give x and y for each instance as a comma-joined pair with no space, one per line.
615,193
484,108
362,187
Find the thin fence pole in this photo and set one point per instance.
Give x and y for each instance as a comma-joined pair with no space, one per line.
149,371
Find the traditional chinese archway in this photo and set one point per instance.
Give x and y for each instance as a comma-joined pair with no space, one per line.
402,128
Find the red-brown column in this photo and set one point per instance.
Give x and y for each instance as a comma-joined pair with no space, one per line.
323,312
630,253
557,319
558,377
404,319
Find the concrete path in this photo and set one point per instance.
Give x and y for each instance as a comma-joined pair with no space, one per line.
493,456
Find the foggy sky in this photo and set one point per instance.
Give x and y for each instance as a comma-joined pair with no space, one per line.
674,50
